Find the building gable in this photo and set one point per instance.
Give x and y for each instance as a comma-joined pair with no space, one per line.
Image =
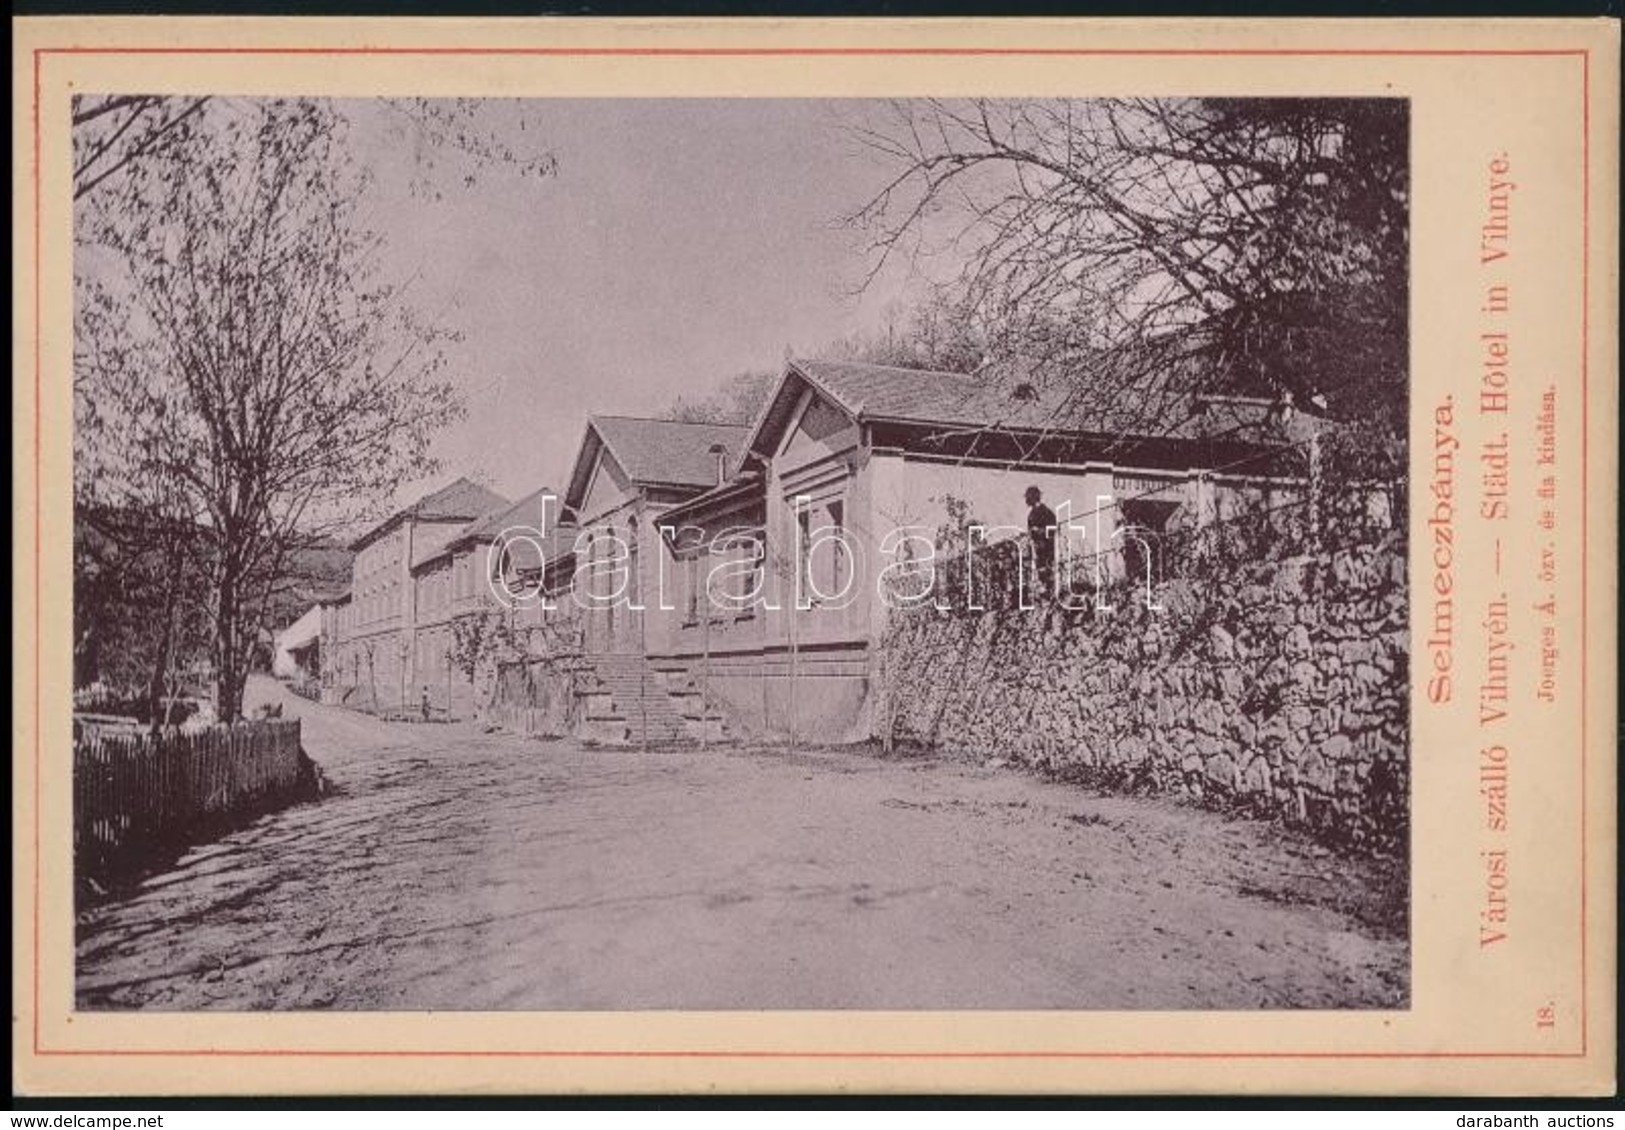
430,536
607,488
820,429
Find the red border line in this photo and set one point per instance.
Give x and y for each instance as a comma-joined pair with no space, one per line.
681,52
689,1053
38,507
1585,507
782,52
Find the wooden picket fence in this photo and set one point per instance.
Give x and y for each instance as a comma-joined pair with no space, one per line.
136,796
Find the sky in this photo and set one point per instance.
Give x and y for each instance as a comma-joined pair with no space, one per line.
680,242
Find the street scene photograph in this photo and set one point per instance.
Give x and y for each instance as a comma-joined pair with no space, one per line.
741,554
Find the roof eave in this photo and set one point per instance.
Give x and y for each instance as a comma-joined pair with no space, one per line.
726,493
793,368
581,469
1077,435
378,531
670,484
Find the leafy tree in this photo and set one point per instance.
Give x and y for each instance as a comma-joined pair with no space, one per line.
114,133
455,140
477,637
452,139
137,630
241,359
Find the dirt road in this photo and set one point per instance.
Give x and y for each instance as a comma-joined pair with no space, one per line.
464,871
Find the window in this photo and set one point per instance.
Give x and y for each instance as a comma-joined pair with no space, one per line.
840,566
750,582
634,575
825,561
693,581
804,556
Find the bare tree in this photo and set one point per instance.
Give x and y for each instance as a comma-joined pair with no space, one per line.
934,335
929,337
1259,244
736,401
262,364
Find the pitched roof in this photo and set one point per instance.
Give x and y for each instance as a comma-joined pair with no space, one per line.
458,500
541,509
668,452
888,392
1007,396
657,452
1160,405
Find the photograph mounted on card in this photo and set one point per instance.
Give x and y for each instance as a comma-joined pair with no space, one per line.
602,562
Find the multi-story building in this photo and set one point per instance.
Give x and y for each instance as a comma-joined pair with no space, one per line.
456,605
374,626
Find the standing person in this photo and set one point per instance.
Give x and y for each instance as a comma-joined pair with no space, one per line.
1041,528
425,702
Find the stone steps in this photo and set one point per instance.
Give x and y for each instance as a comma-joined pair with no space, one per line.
630,696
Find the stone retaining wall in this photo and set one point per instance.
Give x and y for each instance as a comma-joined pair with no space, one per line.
1281,685
537,697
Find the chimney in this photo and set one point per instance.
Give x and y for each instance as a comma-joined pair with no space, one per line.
720,454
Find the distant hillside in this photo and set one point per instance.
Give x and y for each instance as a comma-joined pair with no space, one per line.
318,571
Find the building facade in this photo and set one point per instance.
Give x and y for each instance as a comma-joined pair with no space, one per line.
473,596
775,579
374,663
756,568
